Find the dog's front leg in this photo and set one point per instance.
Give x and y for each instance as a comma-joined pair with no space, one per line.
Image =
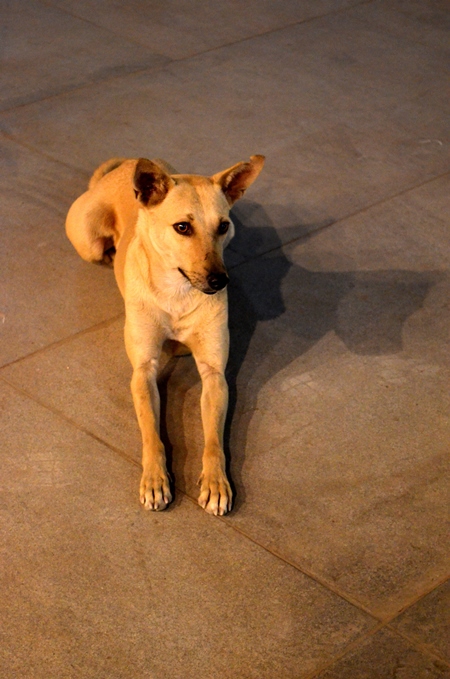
215,492
144,356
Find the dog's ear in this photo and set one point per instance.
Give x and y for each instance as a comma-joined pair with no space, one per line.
236,180
151,183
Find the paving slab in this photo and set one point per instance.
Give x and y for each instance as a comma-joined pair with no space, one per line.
93,586
46,51
326,375
428,621
89,384
179,30
386,655
357,117
398,246
43,286
423,21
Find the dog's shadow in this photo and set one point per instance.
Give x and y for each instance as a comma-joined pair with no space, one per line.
277,312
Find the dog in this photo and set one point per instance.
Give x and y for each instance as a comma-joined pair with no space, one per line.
165,233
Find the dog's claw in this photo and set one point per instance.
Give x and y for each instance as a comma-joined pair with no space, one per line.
215,495
156,505
155,494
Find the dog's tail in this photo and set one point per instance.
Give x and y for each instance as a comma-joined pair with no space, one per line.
103,169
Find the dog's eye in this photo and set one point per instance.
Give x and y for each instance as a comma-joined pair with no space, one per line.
223,228
184,228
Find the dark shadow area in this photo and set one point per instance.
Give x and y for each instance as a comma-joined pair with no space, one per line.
259,236
176,377
277,312
163,381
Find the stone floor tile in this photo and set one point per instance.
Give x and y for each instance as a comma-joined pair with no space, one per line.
426,22
94,586
386,655
87,379
404,233
349,125
46,51
180,30
395,266
428,621
46,290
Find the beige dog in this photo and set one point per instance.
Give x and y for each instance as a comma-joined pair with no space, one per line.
169,231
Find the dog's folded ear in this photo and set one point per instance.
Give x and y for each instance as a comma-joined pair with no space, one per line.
236,180
151,183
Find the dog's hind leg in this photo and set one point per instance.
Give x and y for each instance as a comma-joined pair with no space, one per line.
91,229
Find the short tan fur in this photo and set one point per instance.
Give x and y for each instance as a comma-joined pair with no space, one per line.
168,231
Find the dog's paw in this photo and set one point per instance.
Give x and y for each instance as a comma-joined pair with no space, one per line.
215,493
155,491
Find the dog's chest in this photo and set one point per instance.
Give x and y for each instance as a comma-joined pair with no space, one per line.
181,318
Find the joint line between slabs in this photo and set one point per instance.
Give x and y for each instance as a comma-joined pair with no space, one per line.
352,645
421,646
438,583
77,88
309,574
334,222
68,420
269,31
414,641
340,10
65,340
171,60
41,152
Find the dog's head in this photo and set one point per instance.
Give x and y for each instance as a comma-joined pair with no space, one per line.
187,217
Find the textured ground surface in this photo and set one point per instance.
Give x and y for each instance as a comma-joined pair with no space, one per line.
335,559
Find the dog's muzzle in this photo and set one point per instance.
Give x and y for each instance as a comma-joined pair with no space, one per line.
216,280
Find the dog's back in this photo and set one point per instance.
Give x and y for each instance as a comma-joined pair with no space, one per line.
103,169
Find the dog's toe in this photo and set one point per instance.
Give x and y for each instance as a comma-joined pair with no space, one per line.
215,495
155,501
155,493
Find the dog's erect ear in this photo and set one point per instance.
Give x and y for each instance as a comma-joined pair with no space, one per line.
151,183
236,180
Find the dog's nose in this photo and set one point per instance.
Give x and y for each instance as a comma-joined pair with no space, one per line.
217,281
